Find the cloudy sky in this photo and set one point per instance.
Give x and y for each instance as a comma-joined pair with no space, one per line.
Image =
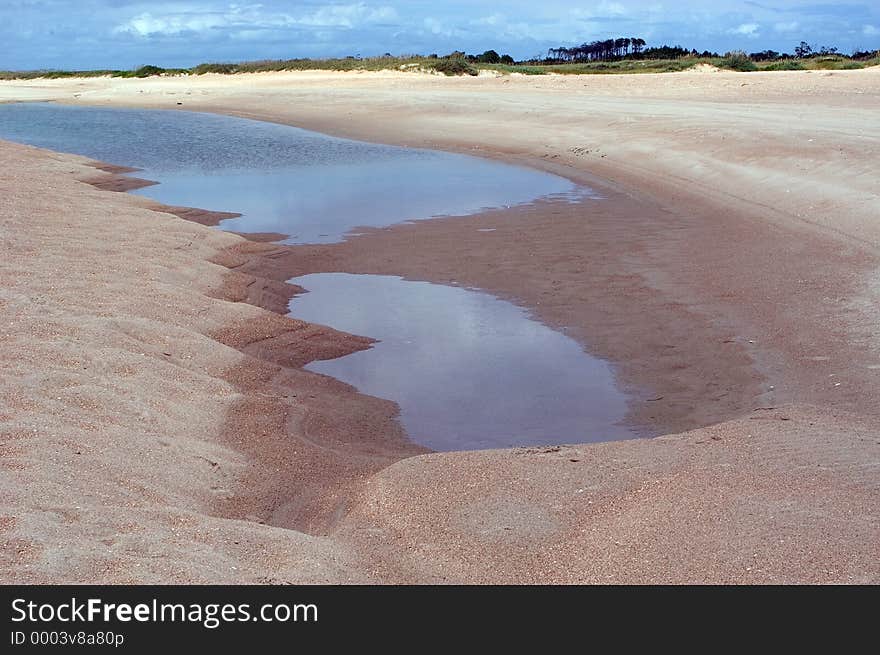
68,34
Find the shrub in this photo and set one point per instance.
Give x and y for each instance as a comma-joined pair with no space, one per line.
785,65
489,57
738,61
148,71
225,69
455,66
829,63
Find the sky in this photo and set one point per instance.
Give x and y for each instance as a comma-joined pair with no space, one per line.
122,34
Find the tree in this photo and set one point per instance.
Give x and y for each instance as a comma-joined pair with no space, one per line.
606,50
148,71
507,59
637,45
489,57
803,50
764,55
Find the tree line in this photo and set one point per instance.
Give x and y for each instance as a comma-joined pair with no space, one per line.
635,48
607,50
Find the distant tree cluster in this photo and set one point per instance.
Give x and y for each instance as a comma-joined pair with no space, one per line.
674,52
765,55
618,50
805,51
490,57
607,50
635,48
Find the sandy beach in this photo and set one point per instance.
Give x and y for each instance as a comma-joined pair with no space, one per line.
157,425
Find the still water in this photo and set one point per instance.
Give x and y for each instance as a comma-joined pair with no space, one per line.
310,186
468,370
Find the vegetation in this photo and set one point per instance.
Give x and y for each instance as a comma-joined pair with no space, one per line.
738,61
625,66
784,65
834,63
342,64
225,69
606,50
454,66
143,71
621,55
49,74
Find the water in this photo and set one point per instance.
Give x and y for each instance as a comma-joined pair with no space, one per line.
282,179
468,370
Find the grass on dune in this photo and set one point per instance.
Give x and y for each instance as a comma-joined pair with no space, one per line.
51,74
624,66
601,67
444,65
831,62
143,71
783,65
343,64
459,65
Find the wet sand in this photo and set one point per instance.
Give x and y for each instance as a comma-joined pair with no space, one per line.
696,277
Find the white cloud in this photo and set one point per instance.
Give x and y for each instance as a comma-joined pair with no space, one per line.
610,9
498,26
750,30
151,23
870,30
249,19
492,21
787,27
602,10
440,28
348,16
146,24
552,25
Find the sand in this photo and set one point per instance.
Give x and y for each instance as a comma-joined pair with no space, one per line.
157,425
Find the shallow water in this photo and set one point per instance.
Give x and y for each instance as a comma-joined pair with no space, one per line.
468,370
282,179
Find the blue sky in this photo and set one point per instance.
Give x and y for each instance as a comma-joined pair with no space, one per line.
123,33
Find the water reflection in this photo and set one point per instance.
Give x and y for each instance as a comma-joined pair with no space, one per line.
281,179
467,369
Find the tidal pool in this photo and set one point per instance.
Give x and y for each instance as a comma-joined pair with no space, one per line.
282,179
468,370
